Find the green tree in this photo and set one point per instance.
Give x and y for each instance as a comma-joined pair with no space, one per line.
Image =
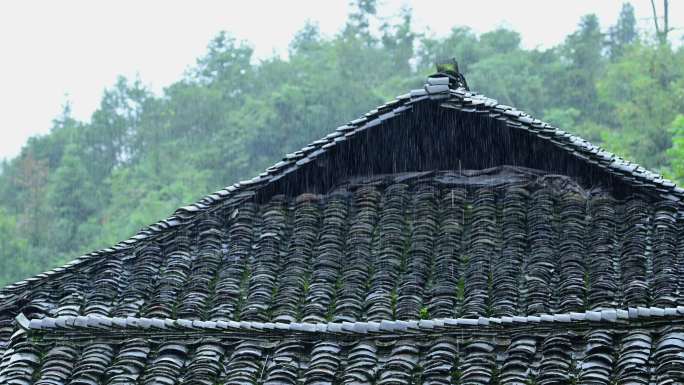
676,152
461,43
73,198
582,53
513,78
642,93
624,32
14,259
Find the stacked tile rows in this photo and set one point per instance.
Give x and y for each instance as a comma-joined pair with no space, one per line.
572,251
205,365
324,363
394,250
349,304
556,366
542,246
21,360
284,367
633,358
389,253
227,293
599,358
129,363
440,361
91,366
44,301
664,248
508,268
668,355
520,352
269,245
72,296
447,257
424,222
173,276
193,302
244,364
401,363
57,365
478,362
328,259
679,258
362,364
481,250
297,262
104,288
6,331
633,252
166,365
141,280
603,280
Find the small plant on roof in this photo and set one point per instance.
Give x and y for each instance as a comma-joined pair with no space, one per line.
449,68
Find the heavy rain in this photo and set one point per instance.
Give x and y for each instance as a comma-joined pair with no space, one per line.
383,205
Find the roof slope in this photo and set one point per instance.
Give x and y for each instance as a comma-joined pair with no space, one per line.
436,92
515,242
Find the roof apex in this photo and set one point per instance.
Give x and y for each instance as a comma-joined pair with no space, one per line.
449,68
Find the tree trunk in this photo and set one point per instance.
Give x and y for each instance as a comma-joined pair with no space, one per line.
661,34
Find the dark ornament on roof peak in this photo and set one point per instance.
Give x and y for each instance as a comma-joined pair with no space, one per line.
449,68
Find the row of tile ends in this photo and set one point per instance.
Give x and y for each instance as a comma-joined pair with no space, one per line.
99,324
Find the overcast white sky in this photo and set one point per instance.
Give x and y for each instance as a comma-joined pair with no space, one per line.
53,51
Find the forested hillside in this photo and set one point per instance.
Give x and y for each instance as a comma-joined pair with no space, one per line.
87,185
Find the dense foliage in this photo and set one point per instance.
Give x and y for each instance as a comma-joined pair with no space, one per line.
86,185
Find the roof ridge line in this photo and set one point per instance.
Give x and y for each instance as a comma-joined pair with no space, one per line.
88,324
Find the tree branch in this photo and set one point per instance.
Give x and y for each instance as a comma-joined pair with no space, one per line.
655,18
666,21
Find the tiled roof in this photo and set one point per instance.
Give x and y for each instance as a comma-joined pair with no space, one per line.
320,269
435,91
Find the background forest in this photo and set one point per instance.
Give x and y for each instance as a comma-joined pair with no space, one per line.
87,185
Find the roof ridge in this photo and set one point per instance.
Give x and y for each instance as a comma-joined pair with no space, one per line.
125,326
436,89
